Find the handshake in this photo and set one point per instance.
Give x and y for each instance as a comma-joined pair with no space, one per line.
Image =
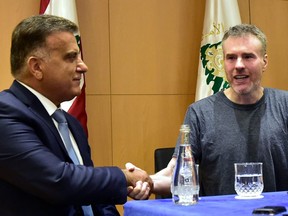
139,183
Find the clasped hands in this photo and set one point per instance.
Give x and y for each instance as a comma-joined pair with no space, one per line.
139,183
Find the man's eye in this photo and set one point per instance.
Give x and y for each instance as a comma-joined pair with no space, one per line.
72,56
230,57
248,56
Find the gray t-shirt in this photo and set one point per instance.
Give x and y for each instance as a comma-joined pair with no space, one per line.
223,133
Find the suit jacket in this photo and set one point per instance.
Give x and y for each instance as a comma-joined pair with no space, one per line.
37,177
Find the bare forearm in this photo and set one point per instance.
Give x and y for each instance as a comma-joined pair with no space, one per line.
161,184
162,179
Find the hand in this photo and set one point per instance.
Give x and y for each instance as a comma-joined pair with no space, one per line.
138,181
140,192
134,174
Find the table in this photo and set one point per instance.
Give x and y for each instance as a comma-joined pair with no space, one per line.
209,205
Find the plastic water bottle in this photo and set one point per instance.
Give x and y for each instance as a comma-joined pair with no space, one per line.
184,184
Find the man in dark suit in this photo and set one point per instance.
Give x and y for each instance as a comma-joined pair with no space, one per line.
37,175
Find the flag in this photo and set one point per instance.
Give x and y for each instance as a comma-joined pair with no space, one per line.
219,16
67,9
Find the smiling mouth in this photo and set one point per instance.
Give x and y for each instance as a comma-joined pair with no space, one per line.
240,77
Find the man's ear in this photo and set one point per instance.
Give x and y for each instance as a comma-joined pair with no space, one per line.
265,60
35,67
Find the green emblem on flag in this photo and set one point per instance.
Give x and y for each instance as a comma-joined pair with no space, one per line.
212,62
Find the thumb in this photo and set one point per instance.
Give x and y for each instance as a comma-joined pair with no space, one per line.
129,166
129,189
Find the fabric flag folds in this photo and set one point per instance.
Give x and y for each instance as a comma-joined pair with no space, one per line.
219,16
67,9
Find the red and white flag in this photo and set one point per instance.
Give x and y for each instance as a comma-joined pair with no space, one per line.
67,9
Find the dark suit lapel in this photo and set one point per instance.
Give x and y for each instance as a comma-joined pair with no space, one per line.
33,103
36,107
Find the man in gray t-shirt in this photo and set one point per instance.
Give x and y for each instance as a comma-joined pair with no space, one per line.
223,133
244,123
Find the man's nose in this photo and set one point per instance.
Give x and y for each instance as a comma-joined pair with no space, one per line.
81,66
239,63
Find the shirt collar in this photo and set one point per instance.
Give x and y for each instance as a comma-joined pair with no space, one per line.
48,105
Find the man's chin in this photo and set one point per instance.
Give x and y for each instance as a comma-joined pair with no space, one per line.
77,92
241,89
71,97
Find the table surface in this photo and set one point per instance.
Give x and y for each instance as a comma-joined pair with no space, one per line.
209,205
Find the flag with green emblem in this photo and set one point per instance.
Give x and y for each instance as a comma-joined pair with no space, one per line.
219,16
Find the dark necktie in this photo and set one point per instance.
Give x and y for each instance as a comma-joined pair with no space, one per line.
58,115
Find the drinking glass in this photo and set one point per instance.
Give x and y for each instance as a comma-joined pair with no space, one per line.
248,180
